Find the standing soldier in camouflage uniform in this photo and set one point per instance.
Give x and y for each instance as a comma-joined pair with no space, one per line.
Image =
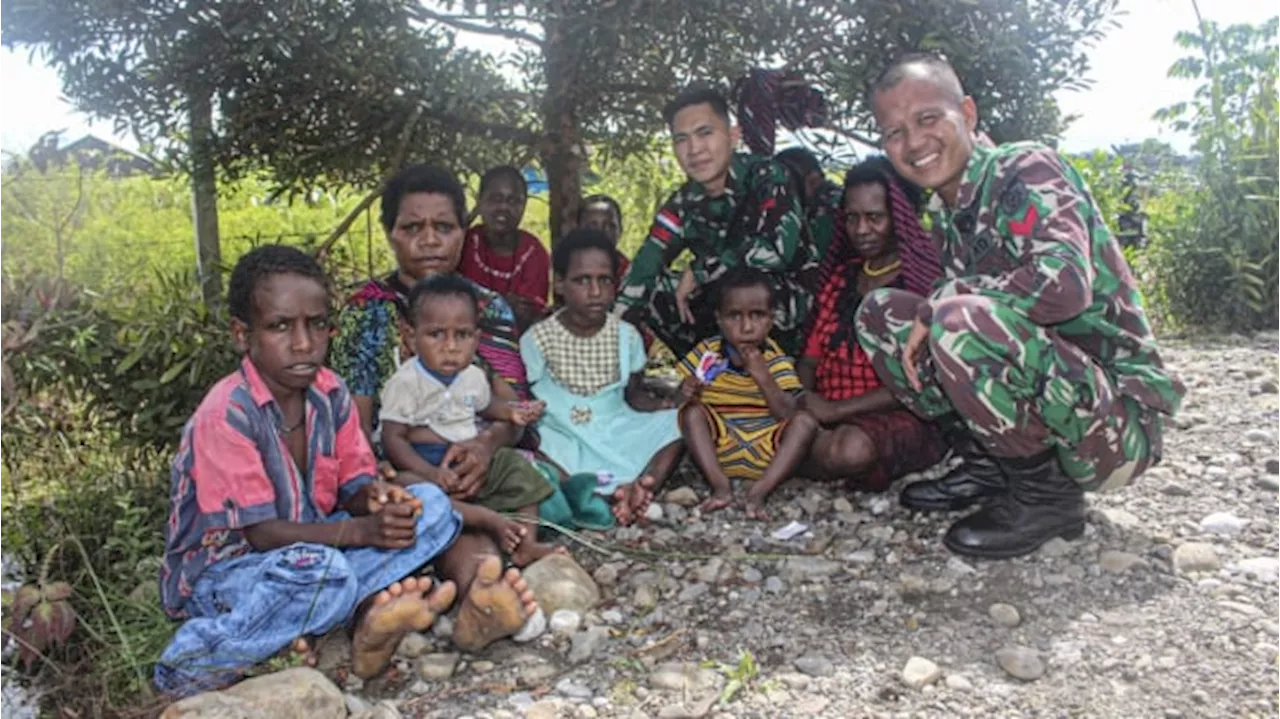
736,209
1034,343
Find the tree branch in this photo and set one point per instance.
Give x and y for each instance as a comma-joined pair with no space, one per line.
855,136
423,14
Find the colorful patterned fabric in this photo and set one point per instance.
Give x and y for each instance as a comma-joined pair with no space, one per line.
746,434
233,470
369,347
1038,337
824,220
526,272
582,365
757,222
766,97
842,369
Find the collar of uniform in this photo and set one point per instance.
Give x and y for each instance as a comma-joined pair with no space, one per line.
974,171
737,169
325,381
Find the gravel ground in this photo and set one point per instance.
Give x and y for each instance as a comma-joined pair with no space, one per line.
1167,607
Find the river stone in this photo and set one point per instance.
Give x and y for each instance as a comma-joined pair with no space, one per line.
1224,524
1020,663
564,622
384,709
919,672
414,645
437,667
683,497
1196,557
799,569
684,677
300,692
558,582
1117,562
1265,569
1006,615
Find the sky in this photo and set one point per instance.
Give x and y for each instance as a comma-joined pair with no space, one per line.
1129,70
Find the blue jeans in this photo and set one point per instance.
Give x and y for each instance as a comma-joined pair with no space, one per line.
246,609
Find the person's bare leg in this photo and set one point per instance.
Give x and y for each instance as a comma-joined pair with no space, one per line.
410,604
695,425
793,446
529,549
839,453
491,602
630,501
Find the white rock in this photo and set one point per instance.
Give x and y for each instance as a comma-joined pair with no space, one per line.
1119,562
919,672
1020,663
683,496
959,683
437,667
564,622
1258,436
533,627
1223,523
301,692
841,505
1265,569
558,582
414,645
653,512
1195,557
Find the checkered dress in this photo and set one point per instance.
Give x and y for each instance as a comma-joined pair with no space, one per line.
582,365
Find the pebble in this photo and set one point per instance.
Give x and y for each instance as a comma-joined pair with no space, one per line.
535,674
646,597
482,666
815,666
442,627
606,575
751,575
564,622
1195,557
612,616
1119,562
653,512
799,569
437,667
546,709
1267,481
683,496
533,627
1224,524
573,689
683,676
1258,436
1020,663
841,505
959,683
774,585
1273,466
587,643
356,705
414,645
920,672
1265,569
1056,547
693,592
1005,615
712,571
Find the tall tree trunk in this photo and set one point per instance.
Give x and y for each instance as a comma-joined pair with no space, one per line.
561,151
204,197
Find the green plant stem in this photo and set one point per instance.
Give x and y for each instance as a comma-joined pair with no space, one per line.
115,623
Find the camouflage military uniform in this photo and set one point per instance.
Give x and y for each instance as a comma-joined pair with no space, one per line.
757,221
1037,334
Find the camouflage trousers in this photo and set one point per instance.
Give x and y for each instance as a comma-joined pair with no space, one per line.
792,301
1018,387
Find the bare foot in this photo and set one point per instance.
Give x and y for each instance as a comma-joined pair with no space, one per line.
755,510
508,533
395,611
531,550
630,501
299,653
496,606
717,501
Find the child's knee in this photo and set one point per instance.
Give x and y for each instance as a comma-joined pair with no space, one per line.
804,424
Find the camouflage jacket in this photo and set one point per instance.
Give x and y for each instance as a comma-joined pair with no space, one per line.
759,195
1025,231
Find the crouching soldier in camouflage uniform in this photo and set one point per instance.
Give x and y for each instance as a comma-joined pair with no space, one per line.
1034,344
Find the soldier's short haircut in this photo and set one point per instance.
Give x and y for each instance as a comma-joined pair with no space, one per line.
932,66
697,94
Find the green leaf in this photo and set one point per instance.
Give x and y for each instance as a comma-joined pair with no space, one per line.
172,373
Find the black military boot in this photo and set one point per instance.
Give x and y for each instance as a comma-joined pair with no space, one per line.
1042,503
973,480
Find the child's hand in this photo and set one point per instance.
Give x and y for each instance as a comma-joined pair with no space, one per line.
690,389
393,527
526,413
446,479
753,360
381,495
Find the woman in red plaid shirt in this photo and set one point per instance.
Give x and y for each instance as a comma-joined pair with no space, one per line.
868,438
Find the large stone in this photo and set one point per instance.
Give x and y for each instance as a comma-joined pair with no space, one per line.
1020,663
1196,557
815,666
1006,615
1224,524
301,692
683,496
919,672
558,582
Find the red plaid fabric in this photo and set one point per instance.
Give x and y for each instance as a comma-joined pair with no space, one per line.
843,371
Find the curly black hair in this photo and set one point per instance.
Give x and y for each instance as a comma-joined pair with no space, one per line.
444,285
738,278
257,265
430,179
877,170
582,238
